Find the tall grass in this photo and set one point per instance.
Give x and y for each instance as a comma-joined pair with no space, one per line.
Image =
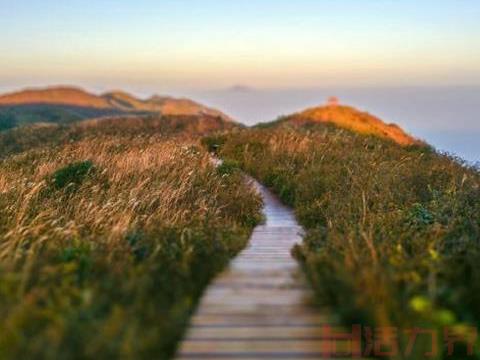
393,232
42,135
107,241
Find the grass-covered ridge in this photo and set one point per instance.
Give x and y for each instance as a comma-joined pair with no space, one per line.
66,104
108,235
392,232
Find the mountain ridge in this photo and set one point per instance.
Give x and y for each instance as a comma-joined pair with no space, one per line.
117,101
61,95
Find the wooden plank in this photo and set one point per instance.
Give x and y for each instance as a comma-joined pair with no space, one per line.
261,308
241,320
257,332
262,346
270,356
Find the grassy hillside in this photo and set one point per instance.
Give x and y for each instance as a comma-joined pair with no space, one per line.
393,232
42,135
18,115
349,118
109,231
64,105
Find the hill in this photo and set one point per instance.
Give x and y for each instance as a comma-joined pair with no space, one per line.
117,217
352,119
54,95
390,229
69,104
42,135
115,223
159,104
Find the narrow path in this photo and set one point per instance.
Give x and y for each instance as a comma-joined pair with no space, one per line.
260,308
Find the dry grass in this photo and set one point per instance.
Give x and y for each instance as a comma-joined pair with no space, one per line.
110,263
349,118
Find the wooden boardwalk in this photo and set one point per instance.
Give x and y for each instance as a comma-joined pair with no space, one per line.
260,308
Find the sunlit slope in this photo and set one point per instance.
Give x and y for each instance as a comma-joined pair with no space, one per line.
352,119
69,104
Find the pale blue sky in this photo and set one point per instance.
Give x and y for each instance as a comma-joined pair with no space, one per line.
195,44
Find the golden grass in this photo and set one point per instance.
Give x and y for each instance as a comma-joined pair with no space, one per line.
111,263
361,122
146,184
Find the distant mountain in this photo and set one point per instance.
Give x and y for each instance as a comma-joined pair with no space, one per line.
54,95
352,119
165,105
70,104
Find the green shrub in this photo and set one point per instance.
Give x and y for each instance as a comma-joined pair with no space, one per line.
228,167
7,121
72,174
213,143
420,216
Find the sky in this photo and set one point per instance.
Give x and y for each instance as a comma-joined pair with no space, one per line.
205,44
413,62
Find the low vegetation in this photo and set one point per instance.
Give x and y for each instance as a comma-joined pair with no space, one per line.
393,232
350,118
44,135
109,232
7,121
65,105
